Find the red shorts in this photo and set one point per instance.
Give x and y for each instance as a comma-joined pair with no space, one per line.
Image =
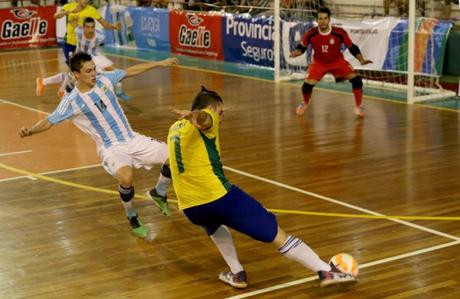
339,70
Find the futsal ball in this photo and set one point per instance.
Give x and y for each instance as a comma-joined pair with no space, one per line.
345,263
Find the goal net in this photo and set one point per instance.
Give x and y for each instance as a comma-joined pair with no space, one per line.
382,33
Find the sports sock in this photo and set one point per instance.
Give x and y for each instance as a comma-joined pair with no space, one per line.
295,249
58,78
358,92
224,242
162,185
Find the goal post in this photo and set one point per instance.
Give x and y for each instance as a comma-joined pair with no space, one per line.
407,50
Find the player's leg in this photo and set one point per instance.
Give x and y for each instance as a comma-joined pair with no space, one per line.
117,162
148,152
344,70
207,217
42,82
248,216
314,74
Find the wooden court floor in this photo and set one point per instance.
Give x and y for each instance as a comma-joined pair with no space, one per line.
62,239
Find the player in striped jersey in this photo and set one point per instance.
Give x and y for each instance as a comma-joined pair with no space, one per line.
326,41
93,107
88,41
208,199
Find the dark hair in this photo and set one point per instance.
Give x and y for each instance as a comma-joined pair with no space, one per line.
77,61
88,20
323,10
205,98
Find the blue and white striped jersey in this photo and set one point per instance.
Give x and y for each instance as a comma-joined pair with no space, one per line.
97,112
86,45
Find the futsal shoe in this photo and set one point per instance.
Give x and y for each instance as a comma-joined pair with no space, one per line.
237,280
359,111
138,227
123,96
39,87
61,93
301,109
335,276
160,201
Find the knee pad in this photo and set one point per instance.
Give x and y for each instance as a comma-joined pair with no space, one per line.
356,82
307,88
165,171
126,194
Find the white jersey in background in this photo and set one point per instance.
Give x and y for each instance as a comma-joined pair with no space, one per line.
97,112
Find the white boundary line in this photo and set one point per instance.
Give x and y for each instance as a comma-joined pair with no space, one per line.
24,107
15,153
366,265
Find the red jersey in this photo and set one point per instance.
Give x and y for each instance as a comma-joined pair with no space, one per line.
326,46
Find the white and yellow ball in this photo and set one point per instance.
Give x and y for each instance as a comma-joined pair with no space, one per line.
345,263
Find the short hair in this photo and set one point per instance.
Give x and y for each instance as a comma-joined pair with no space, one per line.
205,98
323,10
77,61
88,20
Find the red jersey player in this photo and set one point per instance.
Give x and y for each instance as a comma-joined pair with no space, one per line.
327,58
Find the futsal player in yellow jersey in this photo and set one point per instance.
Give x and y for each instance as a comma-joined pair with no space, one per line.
76,13
208,199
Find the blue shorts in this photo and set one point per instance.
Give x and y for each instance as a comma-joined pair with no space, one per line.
69,50
237,210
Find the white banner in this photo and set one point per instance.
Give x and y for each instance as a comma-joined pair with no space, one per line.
371,36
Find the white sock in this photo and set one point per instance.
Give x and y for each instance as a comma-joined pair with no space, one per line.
162,185
295,249
58,78
224,242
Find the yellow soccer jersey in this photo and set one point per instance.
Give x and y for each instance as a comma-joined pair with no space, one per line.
88,11
194,158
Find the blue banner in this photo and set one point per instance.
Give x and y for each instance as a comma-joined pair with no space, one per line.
150,28
248,40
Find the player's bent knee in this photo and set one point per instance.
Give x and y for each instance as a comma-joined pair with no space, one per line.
126,194
356,82
165,171
307,87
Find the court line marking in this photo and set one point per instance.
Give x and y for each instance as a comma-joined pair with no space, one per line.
23,107
363,266
15,153
50,172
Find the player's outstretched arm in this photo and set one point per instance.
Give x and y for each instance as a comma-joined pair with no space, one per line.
198,118
42,126
143,67
355,51
108,25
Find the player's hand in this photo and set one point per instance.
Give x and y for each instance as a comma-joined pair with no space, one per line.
117,26
24,132
295,53
183,114
365,61
170,61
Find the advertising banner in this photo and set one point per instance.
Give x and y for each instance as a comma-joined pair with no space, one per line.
196,34
248,40
26,27
150,28
371,36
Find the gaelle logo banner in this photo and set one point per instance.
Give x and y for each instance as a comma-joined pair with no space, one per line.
27,27
196,34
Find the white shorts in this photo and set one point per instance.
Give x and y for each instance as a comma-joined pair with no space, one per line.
141,151
101,62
